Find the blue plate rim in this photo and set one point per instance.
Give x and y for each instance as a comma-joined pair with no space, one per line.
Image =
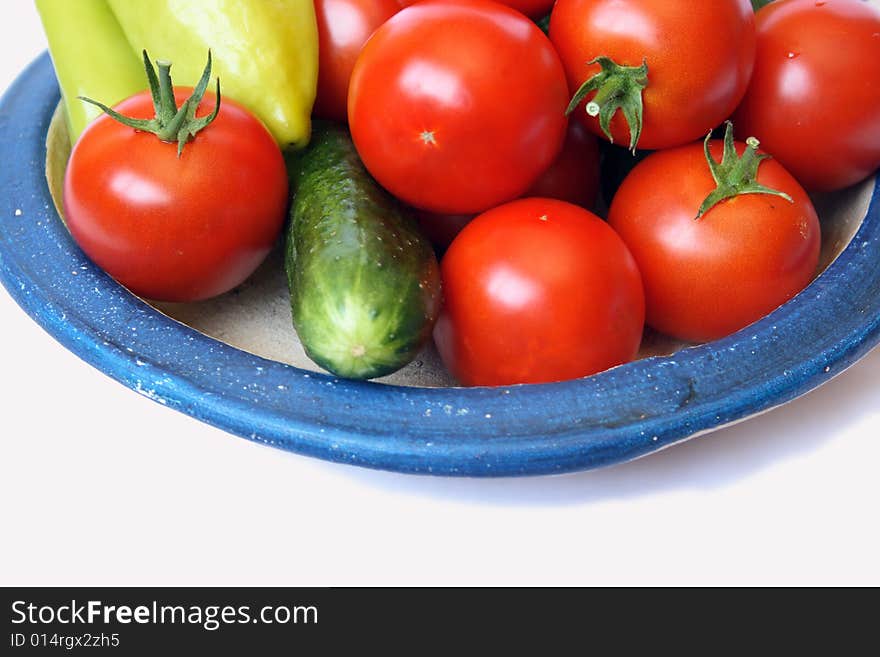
615,416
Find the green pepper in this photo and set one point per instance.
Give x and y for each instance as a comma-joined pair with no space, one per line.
91,57
265,53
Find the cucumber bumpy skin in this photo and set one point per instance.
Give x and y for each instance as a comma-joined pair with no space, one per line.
364,283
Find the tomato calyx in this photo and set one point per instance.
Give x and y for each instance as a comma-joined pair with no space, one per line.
617,88
171,124
735,175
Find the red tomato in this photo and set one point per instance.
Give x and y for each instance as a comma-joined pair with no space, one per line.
456,106
574,175
709,277
343,28
699,60
814,100
176,229
562,299
531,8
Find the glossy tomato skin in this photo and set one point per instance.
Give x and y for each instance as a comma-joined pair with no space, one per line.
707,278
573,177
700,59
814,99
574,174
456,106
538,290
531,8
343,28
174,229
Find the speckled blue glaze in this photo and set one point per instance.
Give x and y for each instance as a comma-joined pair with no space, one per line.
611,417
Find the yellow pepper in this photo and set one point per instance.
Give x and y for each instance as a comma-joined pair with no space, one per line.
265,52
91,57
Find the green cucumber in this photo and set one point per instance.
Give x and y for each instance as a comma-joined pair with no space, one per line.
364,283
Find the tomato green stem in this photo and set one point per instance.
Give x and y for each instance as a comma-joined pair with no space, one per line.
735,175
170,122
617,88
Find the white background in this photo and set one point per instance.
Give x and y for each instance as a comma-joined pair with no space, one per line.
100,486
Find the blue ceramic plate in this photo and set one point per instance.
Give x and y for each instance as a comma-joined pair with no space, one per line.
615,416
